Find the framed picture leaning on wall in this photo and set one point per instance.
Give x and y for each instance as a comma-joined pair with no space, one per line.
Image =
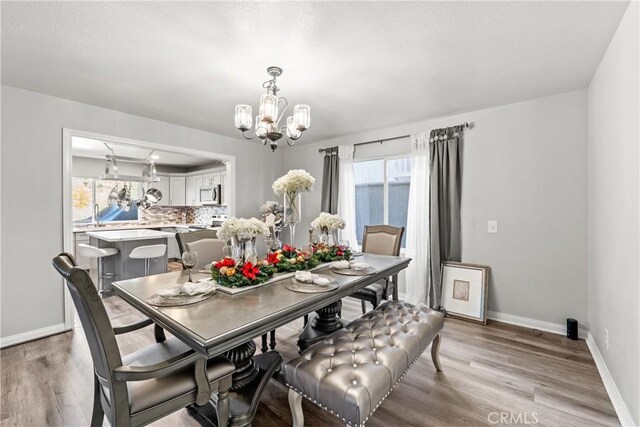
464,290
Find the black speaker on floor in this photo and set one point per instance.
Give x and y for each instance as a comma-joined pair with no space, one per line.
572,329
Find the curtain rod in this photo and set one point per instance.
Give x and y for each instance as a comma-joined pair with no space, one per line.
380,141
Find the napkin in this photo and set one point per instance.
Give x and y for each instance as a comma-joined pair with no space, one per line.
188,288
304,276
192,289
321,281
359,265
170,292
340,264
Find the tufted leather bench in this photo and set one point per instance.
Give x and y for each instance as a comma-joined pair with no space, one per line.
351,372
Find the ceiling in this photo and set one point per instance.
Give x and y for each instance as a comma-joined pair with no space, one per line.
359,65
93,148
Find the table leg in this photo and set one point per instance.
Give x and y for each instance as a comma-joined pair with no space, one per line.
248,382
326,321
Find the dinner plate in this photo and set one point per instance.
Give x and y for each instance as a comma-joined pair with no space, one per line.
354,272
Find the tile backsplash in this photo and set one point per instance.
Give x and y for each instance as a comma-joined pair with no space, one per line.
173,214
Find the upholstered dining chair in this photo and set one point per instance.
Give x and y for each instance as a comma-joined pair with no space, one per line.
205,243
146,385
380,240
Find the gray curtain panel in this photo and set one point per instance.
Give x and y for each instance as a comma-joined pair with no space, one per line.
330,178
444,204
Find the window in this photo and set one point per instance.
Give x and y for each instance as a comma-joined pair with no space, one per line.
86,192
382,193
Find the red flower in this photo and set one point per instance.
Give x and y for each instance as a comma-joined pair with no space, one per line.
340,253
288,248
225,262
272,258
249,271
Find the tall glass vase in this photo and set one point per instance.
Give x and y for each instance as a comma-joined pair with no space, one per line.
292,213
250,252
244,250
237,249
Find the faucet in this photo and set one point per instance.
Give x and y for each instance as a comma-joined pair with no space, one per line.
96,214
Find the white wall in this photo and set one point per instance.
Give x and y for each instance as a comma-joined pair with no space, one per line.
31,168
524,164
613,213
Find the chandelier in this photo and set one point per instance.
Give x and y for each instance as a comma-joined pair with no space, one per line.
267,121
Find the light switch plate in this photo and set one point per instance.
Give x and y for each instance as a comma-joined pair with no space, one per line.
492,227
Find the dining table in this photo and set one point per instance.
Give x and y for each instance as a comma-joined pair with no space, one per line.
226,324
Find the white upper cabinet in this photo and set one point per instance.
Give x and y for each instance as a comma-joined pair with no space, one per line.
211,179
177,191
164,186
193,185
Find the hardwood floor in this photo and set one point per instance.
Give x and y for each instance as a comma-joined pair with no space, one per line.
493,375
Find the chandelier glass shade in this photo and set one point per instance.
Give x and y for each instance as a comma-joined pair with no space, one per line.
270,112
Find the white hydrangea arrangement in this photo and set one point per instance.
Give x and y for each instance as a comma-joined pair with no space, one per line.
272,207
293,182
242,229
328,222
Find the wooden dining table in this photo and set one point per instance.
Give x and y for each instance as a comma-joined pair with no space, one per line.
227,324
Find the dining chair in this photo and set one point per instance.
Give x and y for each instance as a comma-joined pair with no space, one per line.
205,243
150,383
380,240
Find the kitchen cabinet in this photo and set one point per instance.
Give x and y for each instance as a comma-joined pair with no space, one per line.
164,186
193,185
211,179
177,190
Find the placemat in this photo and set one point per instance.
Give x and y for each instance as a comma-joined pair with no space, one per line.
353,272
311,288
178,300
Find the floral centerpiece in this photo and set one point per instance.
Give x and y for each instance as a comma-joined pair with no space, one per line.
327,223
290,186
274,208
232,274
291,259
242,233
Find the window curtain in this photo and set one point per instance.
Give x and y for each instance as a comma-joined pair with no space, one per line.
444,206
347,194
330,180
417,273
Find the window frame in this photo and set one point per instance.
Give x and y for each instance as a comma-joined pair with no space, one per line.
385,183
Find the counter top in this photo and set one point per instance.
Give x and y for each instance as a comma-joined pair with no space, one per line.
130,226
128,235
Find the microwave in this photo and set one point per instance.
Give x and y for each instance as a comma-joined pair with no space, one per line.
211,195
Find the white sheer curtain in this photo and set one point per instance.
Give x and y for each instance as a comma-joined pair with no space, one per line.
347,194
417,274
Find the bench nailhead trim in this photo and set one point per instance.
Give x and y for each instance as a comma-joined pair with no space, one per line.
354,382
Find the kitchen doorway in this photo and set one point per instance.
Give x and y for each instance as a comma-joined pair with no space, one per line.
115,183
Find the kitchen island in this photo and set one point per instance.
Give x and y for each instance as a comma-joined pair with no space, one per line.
126,241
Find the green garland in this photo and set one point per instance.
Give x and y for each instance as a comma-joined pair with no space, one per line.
331,253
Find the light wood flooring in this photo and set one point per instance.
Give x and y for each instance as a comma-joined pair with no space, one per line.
487,370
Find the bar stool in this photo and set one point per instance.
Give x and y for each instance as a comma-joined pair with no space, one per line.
146,253
99,254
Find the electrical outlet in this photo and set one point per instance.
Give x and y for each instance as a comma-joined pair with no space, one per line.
492,227
606,339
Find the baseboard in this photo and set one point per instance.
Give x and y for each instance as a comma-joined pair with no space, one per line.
614,394
32,335
526,322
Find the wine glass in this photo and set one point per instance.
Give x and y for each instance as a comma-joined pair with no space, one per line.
344,243
189,259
